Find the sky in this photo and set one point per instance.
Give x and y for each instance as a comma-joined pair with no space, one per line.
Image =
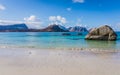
69,13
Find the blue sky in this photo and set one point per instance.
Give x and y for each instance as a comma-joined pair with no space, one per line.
41,13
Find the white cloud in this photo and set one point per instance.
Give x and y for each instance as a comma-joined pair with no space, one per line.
8,22
69,9
52,18
57,20
32,18
78,1
117,27
36,25
2,7
33,22
63,20
78,23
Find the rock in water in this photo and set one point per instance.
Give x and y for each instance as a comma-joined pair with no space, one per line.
102,33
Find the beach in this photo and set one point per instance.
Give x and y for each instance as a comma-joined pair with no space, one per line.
24,61
59,37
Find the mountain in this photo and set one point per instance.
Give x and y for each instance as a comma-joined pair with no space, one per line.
24,28
77,29
62,27
50,28
55,28
15,27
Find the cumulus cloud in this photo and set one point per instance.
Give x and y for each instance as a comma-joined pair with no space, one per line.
117,27
8,22
78,23
32,18
2,7
32,25
78,1
52,18
57,20
69,9
33,22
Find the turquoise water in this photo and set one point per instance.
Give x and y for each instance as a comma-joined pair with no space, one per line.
49,40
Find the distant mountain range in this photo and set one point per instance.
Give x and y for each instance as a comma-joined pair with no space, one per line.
78,29
15,27
50,28
55,28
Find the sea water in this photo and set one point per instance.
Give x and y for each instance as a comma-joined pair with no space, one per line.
53,40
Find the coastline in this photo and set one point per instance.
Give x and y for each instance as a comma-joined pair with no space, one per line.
24,61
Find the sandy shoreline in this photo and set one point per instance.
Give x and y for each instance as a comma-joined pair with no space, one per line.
58,62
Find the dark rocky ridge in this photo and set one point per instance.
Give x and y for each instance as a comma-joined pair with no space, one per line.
77,29
15,27
55,28
24,28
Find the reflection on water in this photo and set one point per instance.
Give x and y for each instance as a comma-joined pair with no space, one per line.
101,44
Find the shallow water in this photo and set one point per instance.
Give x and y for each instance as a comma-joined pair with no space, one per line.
53,40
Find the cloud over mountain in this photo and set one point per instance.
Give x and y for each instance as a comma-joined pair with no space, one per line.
32,18
33,22
57,20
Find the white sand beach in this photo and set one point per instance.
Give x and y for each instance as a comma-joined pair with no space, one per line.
58,62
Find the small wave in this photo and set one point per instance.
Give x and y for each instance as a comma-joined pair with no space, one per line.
73,49
74,38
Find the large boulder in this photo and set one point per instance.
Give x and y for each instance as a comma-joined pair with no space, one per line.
102,33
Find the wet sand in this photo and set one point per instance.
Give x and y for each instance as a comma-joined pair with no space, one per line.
58,62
